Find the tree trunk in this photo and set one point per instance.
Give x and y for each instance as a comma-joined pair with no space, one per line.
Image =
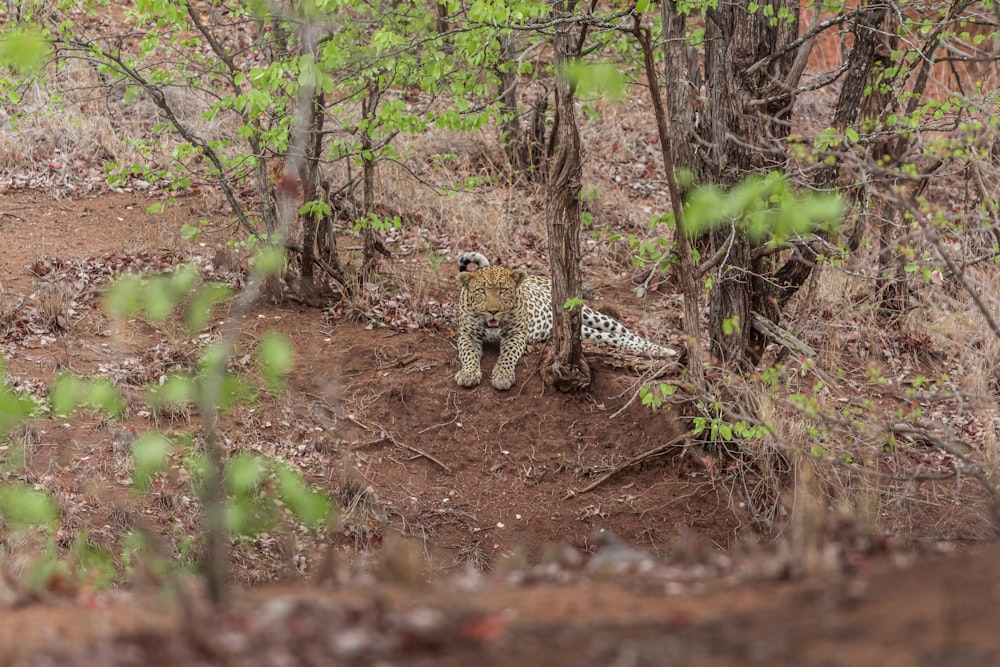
565,367
441,23
525,150
510,130
864,55
893,285
686,271
682,89
309,175
736,39
326,241
370,243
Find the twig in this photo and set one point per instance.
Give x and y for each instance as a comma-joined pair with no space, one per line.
712,261
798,242
388,436
984,195
653,272
645,379
960,275
11,215
454,419
655,451
794,44
968,466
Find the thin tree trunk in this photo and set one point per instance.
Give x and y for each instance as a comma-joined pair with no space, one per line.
525,150
893,288
441,23
565,366
682,89
371,245
511,134
862,59
310,191
686,270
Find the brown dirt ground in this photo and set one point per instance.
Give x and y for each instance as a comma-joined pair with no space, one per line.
430,479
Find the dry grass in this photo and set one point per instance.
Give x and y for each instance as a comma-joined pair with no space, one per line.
361,513
934,366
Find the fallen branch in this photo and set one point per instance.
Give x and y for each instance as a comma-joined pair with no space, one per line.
655,451
781,336
965,465
388,436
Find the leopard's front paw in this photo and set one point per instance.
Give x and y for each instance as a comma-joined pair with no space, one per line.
502,381
468,377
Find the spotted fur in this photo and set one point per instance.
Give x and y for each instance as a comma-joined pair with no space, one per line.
511,308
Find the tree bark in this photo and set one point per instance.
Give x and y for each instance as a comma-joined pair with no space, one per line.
736,39
309,175
525,150
371,244
565,366
682,89
669,141
862,58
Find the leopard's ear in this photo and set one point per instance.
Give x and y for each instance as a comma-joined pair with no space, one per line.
464,277
518,275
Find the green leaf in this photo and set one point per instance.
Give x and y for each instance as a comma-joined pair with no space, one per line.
14,408
269,260
150,455
276,359
155,208
64,394
602,79
244,473
23,50
199,468
310,507
235,391
160,299
124,296
176,391
190,232
99,394
22,506
69,392
200,310
214,357
183,279
852,134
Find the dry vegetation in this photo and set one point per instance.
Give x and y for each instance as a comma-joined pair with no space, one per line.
883,442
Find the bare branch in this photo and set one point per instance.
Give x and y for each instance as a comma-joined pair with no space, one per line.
796,43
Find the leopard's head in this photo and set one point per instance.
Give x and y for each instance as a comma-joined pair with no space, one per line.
492,292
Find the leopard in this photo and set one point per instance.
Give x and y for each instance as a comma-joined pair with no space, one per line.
511,308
